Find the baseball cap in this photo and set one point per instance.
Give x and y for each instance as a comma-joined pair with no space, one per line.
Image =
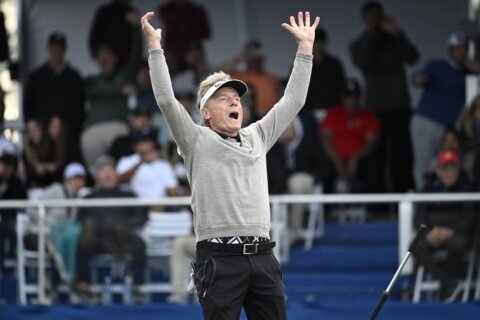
448,157
352,88
143,134
57,38
73,170
456,39
238,85
142,111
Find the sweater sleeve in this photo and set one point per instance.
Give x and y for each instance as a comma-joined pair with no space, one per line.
181,124
278,118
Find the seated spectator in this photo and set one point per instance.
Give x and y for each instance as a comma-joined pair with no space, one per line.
147,175
298,159
140,118
109,229
11,188
470,133
107,94
451,225
443,98
349,134
63,228
66,149
39,156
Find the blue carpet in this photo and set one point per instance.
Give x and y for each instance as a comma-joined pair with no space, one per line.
330,311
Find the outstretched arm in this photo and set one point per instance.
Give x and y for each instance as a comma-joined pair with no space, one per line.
278,118
181,124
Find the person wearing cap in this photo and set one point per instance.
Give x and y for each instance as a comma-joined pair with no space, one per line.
441,103
63,230
109,229
349,134
226,168
451,225
147,175
56,89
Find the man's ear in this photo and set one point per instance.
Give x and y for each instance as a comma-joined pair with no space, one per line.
205,113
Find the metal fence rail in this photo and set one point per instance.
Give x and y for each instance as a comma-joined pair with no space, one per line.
279,221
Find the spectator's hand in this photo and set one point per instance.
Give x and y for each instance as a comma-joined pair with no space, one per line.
153,36
439,235
132,17
128,89
445,233
50,167
40,168
389,25
420,79
303,32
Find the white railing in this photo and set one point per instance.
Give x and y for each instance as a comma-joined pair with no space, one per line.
279,221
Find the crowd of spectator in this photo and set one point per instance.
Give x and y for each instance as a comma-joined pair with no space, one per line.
106,134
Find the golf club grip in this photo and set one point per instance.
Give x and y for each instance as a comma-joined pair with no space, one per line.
379,305
420,234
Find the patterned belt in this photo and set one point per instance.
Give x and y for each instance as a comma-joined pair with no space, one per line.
238,240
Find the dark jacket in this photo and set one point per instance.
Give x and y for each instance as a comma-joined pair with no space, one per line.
109,218
381,58
459,216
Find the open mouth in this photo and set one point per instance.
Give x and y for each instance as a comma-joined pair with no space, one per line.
233,115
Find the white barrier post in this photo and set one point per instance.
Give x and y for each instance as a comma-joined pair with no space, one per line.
405,233
22,295
41,254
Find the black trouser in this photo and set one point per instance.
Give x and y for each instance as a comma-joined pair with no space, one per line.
124,242
457,247
227,281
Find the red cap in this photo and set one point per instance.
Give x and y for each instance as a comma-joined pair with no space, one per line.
448,157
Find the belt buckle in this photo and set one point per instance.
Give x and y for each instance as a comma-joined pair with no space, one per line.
245,250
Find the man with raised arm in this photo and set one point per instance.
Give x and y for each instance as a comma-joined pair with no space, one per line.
226,168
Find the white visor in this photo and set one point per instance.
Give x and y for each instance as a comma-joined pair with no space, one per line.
238,85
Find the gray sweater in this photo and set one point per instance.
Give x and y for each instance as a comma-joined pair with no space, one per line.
229,179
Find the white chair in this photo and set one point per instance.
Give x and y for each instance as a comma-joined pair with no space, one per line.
424,282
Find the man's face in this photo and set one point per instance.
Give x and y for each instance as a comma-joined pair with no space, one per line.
351,101
56,53
106,60
224,111
146,149
141,121
373,18
448,174
107,177
76,183
459,54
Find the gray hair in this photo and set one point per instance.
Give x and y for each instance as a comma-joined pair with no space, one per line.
205,85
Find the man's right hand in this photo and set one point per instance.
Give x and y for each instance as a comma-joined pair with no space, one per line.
153,36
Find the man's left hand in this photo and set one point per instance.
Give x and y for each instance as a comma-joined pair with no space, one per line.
303,32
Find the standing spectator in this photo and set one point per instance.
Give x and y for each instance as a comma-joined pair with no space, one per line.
301,164
381,53
349,134
11,188
265,84
107,94
56,89
109,229
183,22
144,95
147,175
443,99
39,156
451,224
113,25
328,78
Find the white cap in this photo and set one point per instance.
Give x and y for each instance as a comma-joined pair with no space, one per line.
238,85
74,169
456,39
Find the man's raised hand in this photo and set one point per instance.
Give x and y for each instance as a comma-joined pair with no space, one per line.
303,32
152,35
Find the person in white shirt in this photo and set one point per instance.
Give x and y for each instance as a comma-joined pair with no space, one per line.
144,171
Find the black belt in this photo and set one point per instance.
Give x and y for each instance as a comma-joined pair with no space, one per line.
245,249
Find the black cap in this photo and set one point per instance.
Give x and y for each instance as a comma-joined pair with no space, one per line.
352,88
143,134
57,38
142,111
